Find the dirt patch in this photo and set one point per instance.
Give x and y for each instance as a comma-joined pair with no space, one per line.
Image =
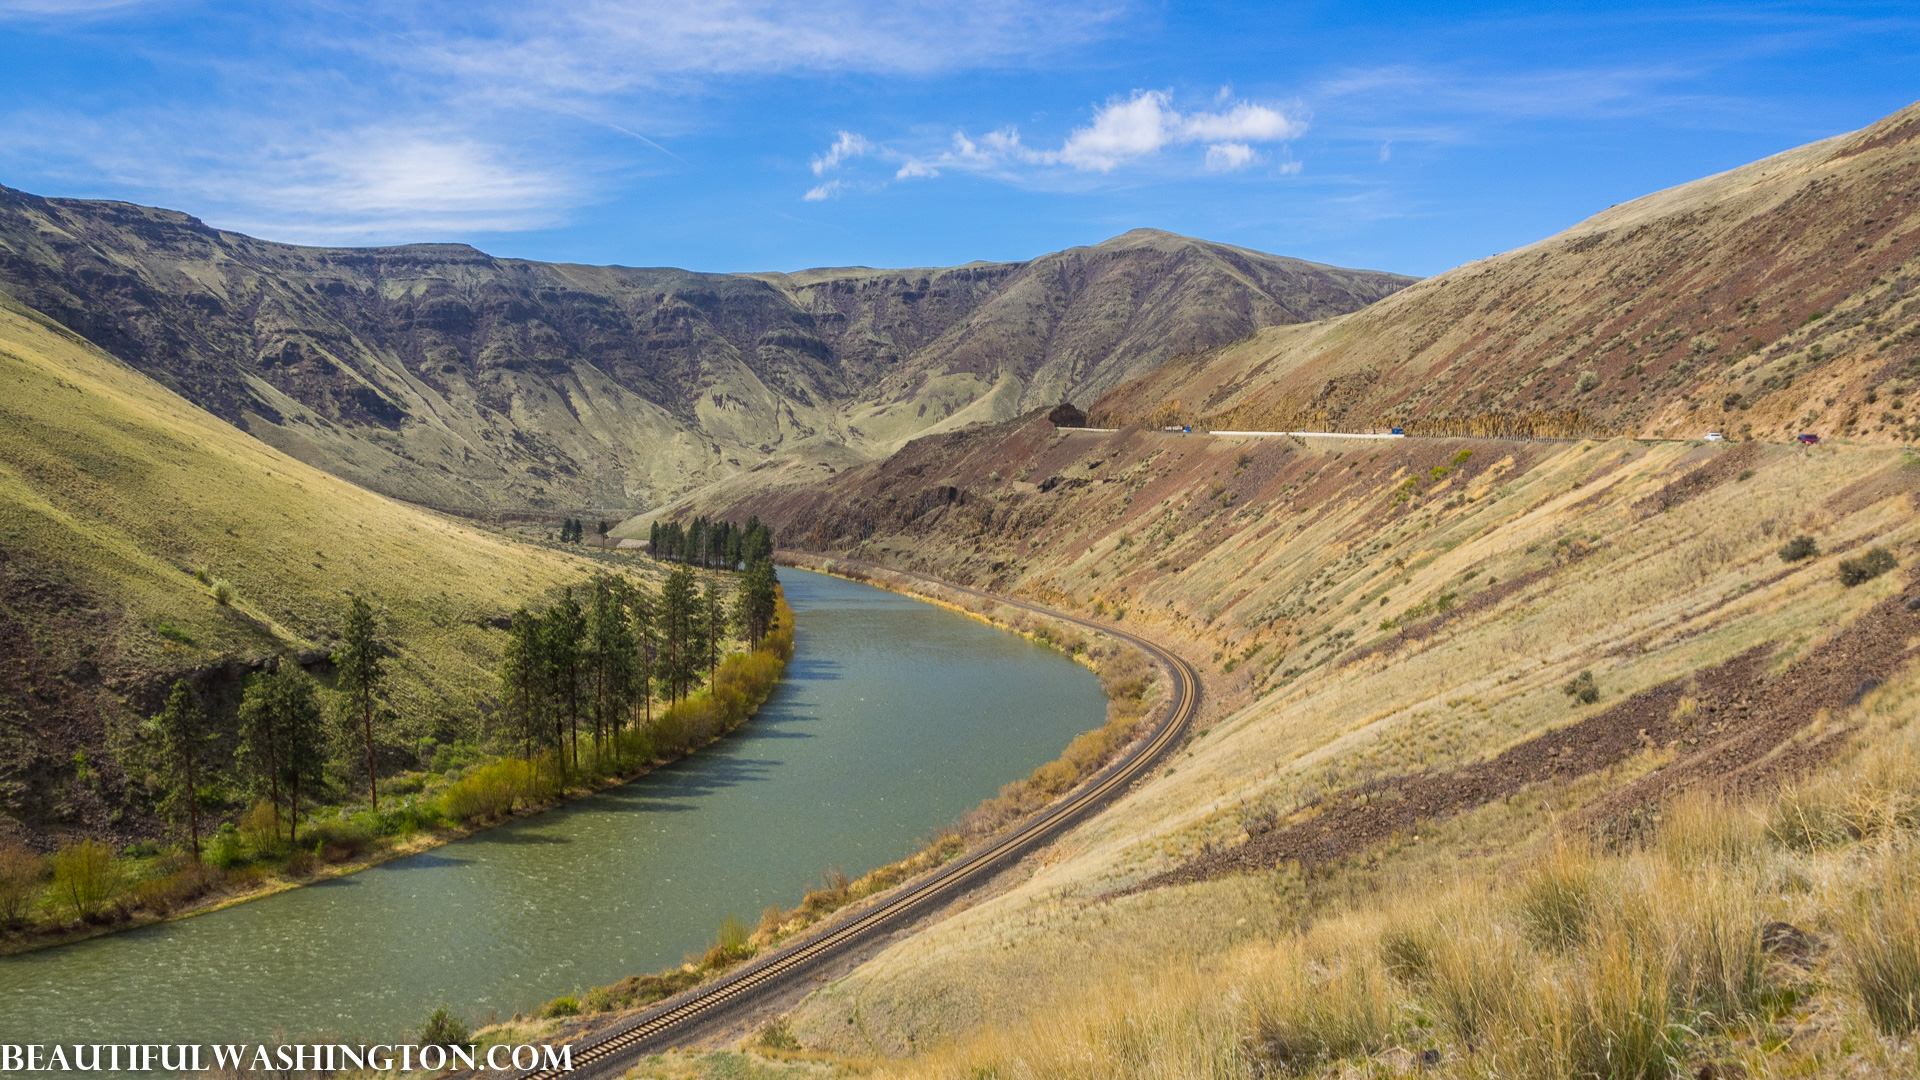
1724,466
1732,724
1487,598
1864,492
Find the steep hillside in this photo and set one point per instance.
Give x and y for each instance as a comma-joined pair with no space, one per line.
447,377
1389,630
123,507
1775,298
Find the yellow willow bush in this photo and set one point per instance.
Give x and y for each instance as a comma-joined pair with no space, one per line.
490,791
740,684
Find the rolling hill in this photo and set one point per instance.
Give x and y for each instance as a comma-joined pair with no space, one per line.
123,506
444,376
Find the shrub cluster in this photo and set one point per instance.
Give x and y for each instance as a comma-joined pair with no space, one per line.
1864,568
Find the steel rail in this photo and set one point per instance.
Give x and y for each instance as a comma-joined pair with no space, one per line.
618,1047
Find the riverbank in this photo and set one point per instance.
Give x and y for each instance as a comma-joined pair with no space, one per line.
1132,690
743,682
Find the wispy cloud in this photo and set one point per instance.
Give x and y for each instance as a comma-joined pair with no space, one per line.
844,148
1124,131
372,184
41,9
599,47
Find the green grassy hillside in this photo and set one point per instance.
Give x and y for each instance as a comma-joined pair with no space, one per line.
127,513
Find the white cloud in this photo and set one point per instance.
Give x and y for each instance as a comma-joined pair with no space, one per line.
1247,121
844,148
1123,131
1229,157
825,191
1147,123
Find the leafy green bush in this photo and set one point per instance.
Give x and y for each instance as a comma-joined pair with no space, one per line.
1582,688
1798,548
1865,568
777,1034
560,1006
20,874
444,1029
86,877
488,792
224,850
261,830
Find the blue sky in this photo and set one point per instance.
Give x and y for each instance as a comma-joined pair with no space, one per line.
745,135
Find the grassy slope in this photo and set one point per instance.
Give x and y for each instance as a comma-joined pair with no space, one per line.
1292,557
1777,296
114,490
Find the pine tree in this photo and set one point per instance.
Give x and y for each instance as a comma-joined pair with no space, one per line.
610,652
640,621
363,675
564,627
261,738
713,626
177,734
523,681
282,737
758,597
677,615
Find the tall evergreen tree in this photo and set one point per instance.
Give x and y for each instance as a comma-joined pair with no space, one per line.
755,604
261,738
678,604
177,733
713,626
282,738
564,629
362,664
610,653
523,682
646,646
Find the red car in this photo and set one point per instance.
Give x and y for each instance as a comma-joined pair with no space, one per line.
1809,439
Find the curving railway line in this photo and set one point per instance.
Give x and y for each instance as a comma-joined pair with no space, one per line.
611,1052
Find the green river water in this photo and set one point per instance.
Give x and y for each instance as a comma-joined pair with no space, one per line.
894,718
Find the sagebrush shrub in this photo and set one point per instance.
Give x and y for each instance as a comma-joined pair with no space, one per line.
1864,568
1798,548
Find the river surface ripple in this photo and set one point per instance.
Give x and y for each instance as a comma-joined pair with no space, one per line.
894,718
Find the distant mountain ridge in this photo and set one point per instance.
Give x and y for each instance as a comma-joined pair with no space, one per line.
442,375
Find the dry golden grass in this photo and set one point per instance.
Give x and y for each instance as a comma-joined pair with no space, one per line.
1653,598
1719,942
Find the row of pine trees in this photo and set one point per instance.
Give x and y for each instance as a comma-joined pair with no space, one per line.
286,734
719,545
594,662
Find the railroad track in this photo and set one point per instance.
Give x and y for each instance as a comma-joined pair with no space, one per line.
612,1052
